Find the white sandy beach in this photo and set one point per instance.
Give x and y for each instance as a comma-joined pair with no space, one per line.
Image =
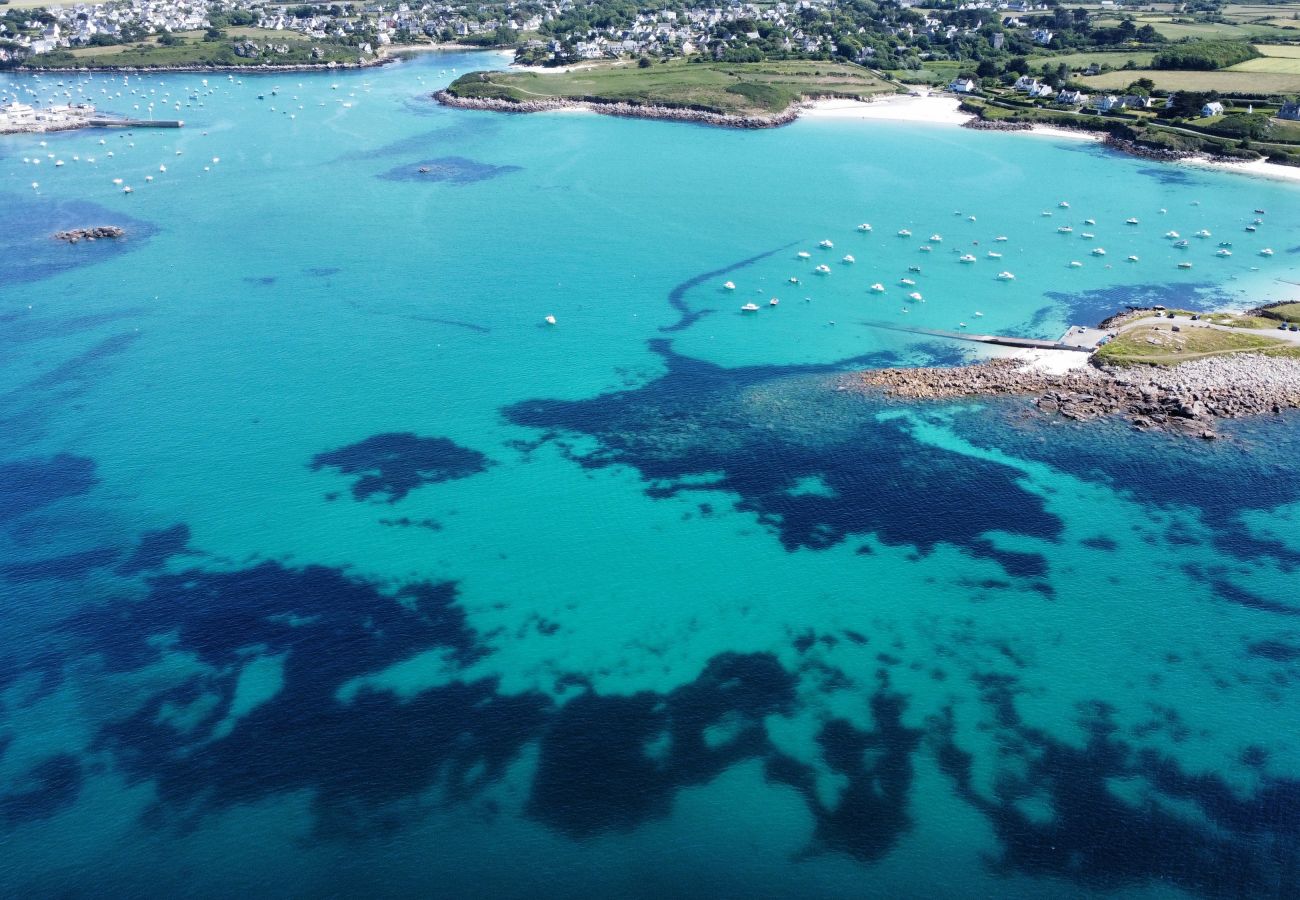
945,110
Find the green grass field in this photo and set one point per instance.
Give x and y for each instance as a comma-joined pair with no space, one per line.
736,89
1287,51
1147,345
1185,28
1114,59
1227,82
1274,65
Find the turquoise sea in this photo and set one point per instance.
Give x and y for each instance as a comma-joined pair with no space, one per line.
329,568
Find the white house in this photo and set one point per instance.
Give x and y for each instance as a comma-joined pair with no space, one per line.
1290,111
1074,98
1213,108
965,85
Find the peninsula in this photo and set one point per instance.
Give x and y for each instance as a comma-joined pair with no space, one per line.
1171,370
746,95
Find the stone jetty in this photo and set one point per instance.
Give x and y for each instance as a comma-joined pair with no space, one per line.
95,233
628,110
1187,398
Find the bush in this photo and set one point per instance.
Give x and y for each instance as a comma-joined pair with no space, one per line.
1204,55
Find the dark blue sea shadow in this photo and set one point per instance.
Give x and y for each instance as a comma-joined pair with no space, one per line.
1246,845
392,465
1093,306
450,169
874,476
46,788
677,296
27,224
32,483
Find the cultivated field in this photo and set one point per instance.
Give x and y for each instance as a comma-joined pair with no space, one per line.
1114,59
1227,82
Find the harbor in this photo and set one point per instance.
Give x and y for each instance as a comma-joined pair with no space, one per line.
23,118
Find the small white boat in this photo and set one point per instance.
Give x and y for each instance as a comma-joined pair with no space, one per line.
729,285
57,163
826,245
1045,213
1098,251
1203,233
1223,252
1087,235
1130,221
967,258
1075,264
926,248
549,320
148,178
978,313
970,218
1267,251
878,288
903,232
773,302
961,324
127,189
117,181
915,295
1006,276
1132,258
1250,228
823,270
864,227
993,254
1001,238
913,268
936,238
1181,244
1184,265
1089,221
848,259
906,282
162,168
804,254
794,280
1063,205
749,307
1172,235
1065,229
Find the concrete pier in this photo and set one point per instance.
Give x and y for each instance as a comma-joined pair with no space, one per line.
1077,338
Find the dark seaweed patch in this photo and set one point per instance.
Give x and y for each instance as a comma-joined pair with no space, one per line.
29,484
1100,542
27,223
1096,838
260,280
330,629
610,763
450,169
44,790
394,464
70,565
693,421
1171,175
321,271
155,548
677,296
1091,307
1275,651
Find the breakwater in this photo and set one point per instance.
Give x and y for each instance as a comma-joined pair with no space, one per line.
1186,399
626,110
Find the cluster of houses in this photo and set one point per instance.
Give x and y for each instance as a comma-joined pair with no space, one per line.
15,117
76,24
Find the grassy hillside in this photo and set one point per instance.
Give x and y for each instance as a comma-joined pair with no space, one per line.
736,88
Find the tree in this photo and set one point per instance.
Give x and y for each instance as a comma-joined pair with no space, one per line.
643,62
167,39
987,69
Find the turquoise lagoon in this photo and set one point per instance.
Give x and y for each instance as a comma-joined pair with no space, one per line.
328,568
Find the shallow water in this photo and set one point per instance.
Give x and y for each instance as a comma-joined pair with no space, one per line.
330,568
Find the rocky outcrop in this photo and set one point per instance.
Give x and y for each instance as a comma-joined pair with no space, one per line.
95,233
1188,398
1133,148
978,124
629,110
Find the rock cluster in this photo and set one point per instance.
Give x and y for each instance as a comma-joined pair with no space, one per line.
630,110
1187,398
89,234
1133,148
978,124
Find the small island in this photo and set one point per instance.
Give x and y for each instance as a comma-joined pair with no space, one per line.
94,233
743,95
1172,370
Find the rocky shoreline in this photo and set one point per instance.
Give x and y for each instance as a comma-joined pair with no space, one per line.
627,110
1186,399
977,124
94,233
